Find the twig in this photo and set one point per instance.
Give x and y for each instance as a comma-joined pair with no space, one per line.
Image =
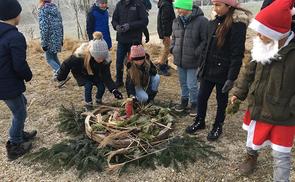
32,101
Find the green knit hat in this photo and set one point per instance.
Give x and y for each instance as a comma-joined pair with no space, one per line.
183,4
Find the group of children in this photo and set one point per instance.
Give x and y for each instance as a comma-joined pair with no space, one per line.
211,51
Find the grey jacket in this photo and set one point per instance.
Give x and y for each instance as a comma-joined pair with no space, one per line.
188,43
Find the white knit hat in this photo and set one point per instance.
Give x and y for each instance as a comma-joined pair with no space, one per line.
99,49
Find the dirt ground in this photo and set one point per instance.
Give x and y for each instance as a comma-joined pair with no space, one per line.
44,100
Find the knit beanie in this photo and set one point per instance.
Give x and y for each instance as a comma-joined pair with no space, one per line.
9,9
233,3
98,47
97,2
137,52
183,4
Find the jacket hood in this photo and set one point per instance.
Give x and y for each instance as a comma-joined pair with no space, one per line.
197,12
238,16
4,27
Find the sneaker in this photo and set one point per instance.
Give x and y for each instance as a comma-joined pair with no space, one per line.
88,106
249,165
29,135
14,151
182,106
193,110
198,124
215,133
98,101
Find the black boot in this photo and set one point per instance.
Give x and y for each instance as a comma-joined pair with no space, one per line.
199,123
215,133
152,94
29,135
14,151
182,106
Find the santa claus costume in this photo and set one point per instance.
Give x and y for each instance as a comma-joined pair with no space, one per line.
268,84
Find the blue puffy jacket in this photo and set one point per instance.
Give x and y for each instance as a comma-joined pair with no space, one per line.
98,20
13,66
51,28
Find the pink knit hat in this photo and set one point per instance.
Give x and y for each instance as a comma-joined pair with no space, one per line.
233,3
137,52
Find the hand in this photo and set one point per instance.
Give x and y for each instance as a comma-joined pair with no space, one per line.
233,99
119,28
117,94
125,27
45,48
227,86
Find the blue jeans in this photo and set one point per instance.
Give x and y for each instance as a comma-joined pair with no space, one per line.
18,108
88,90
122,51
53,61
188,84
141,94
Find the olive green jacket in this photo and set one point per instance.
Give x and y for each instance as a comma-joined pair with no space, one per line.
270,88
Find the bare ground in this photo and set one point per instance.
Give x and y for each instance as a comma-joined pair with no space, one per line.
44,100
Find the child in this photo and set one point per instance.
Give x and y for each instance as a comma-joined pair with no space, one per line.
221,63
142,80
14,70
51,31
90,65
98,21
188,38
268,83
165,19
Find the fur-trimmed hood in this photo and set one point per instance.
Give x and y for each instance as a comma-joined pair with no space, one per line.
238,16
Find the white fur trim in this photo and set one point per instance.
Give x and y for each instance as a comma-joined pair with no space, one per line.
270,33
250,136
293,11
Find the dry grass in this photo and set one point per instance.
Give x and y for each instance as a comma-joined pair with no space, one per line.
45,100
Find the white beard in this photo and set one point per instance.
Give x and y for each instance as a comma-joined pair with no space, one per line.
261,52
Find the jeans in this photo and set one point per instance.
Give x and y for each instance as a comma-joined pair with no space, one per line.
206,88
122,51
141,94
18,108
53,61
88,90
188,84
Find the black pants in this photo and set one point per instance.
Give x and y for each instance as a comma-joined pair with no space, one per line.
205,91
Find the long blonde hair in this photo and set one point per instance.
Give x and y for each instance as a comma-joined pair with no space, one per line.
87,58
138,77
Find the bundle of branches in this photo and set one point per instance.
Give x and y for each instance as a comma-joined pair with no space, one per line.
71,120
81,153
175,151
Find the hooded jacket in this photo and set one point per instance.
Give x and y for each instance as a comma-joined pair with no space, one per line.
188,41
14,68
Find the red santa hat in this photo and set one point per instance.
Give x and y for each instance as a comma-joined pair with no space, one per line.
274,21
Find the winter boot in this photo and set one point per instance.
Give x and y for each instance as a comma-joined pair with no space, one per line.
199,123
215,133
163,70
14,151
182,106
29,135
193,110
249,165
88,106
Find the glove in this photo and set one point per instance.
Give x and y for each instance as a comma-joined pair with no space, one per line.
45,48
119,28
117,94
128,65
125,27
227,86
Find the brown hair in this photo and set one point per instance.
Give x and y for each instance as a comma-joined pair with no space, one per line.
87,66
138,77
223,29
